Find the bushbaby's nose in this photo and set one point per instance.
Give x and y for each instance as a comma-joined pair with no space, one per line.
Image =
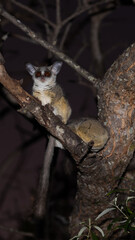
42,78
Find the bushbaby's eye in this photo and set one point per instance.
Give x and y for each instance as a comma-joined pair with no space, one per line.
47,74
37,74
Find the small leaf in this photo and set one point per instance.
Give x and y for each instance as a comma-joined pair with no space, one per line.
100,230
81,231
131,190
133,225
79,234
129,198
115,201
82,223
105,212
122,221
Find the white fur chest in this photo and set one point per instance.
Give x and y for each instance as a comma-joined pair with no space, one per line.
43,97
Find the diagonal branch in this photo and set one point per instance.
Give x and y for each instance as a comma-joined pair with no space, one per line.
44,116
66,31
49,47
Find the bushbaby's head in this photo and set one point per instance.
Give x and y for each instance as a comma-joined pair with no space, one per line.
44,77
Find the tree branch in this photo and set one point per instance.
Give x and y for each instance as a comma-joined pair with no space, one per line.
31,11
92,9
48,46
117,110
58,12
44,116
67,28
95,43
40,206
47,26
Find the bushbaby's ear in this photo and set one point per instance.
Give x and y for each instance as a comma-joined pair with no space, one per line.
30,68
56,67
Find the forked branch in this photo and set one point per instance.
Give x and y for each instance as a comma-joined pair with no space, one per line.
48,46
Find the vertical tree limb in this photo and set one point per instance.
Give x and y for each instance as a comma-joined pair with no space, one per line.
40,207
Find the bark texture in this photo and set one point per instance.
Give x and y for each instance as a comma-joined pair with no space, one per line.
98,176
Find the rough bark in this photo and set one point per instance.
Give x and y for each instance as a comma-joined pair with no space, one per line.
96,177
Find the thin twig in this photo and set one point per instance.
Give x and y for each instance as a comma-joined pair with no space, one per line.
43,5
58,12
47,26
49,47
80,51
94,36
79,4
91,8
65,36
26,39
95,43
40,207
58,24
26,8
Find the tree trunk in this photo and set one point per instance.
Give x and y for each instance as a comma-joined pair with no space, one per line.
97,176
